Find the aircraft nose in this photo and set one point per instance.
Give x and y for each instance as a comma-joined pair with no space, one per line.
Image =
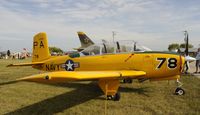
182,62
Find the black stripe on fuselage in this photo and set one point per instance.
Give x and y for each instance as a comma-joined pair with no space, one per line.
161,52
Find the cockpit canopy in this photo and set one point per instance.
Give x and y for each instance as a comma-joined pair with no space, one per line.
111,48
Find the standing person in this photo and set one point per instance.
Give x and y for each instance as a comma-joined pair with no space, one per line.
197,60
186,67
8,53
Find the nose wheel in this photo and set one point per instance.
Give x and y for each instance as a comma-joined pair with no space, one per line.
179,90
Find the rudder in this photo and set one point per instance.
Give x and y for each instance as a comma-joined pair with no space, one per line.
40,47
84,39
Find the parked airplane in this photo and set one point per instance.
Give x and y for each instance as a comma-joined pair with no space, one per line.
106,68
123,43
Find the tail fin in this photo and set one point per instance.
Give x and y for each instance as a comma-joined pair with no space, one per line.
40,47
85,40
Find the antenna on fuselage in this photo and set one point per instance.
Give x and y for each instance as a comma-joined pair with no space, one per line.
113,35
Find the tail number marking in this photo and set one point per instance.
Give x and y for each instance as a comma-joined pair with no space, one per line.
171,62
36,44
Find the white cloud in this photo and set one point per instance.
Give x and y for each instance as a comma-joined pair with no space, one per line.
152,23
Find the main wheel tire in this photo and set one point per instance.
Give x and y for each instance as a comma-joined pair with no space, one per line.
116,97
124,81
179,91
128,80
109,97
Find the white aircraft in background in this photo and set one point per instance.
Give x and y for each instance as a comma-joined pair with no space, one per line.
86,42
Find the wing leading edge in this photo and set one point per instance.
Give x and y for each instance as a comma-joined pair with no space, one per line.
63,76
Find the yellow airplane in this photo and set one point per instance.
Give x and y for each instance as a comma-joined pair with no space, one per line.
108,69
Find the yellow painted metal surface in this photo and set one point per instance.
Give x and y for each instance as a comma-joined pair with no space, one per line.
26,64
109,86
147,62
65,76
40,47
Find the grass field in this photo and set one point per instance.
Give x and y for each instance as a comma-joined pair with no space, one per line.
86,97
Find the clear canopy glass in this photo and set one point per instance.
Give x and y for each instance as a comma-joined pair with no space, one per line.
112,48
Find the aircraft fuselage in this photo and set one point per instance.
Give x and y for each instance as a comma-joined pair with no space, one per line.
155,64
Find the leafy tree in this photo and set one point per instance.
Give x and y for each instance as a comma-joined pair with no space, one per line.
55,49
183,45
173,46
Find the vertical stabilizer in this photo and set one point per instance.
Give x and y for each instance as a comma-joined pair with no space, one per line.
40,47
85,40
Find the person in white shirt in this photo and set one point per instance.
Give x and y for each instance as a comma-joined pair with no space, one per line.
197,61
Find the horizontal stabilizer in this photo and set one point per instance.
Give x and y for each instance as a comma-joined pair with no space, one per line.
64,76
25,64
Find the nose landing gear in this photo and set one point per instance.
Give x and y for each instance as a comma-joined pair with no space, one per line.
179,90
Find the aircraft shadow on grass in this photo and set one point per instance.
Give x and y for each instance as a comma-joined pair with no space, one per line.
82,93
7,83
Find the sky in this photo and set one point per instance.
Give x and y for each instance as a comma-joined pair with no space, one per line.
152,23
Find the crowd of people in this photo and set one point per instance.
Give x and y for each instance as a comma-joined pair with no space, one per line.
15,55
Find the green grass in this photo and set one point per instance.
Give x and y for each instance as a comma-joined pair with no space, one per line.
86,97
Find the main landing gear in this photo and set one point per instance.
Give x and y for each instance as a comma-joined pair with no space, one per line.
179,90
127,80
110,88
115,97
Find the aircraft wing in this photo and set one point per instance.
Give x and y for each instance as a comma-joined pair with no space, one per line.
26,64
63,76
